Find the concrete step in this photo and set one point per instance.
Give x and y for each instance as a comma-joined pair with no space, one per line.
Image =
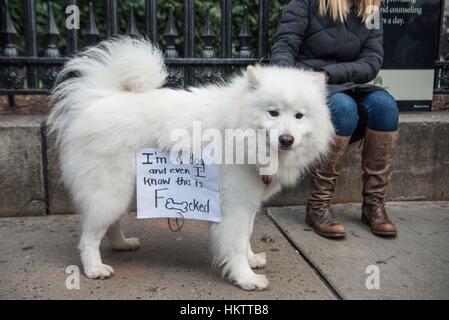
30,178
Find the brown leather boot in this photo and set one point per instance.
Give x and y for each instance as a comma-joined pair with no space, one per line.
378,150
319,214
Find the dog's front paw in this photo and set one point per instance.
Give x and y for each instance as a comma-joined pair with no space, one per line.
254,282
101,271
257,260
128,244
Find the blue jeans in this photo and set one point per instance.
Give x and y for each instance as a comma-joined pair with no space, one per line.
377,110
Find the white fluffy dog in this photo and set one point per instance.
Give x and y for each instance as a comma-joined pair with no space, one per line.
112,103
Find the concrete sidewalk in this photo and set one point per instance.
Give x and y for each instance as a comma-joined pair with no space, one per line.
414,265
35,252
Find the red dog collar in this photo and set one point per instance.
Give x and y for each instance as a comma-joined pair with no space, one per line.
266,180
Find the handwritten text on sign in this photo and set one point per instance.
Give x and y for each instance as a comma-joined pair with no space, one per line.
187,188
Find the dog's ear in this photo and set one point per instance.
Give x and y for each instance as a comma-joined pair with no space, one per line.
254,76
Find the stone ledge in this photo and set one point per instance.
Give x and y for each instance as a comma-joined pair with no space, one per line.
421,168
22,187
425,117
59,201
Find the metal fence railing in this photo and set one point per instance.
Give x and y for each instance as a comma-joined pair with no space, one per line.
441,82
33,74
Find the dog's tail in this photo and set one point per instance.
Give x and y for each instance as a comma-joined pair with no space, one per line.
114,66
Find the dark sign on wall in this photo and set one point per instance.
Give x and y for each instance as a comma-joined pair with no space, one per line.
411,36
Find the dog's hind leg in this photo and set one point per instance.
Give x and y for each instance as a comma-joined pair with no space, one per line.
256,260
89,246
119,241
102,206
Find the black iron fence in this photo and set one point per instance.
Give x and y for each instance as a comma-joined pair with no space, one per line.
441,82
33,74
30,73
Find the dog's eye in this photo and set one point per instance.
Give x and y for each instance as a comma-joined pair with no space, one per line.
274,113
299,115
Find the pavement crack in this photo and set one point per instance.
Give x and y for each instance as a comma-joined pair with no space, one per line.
384,261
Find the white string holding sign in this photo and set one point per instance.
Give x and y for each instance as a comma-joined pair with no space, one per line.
188,189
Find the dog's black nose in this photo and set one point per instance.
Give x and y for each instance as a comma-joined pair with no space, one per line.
286,140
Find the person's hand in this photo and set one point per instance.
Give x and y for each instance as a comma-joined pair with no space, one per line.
326,75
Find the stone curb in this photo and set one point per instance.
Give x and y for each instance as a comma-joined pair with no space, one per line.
30,178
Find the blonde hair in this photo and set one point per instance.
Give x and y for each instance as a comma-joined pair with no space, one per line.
338,10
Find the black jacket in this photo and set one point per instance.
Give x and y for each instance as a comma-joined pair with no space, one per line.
349,52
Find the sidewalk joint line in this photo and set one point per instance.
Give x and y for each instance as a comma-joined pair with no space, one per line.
309,262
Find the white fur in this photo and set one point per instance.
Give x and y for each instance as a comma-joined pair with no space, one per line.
116,105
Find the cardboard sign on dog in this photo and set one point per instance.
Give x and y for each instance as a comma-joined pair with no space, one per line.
183,188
